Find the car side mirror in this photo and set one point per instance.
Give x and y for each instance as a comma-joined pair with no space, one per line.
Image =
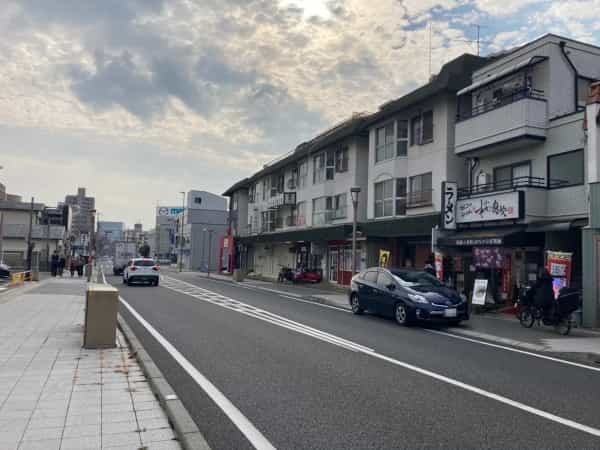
391,286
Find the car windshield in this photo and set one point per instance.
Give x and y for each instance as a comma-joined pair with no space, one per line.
143,263
414,278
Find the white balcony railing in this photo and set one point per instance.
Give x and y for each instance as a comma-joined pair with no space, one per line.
524,119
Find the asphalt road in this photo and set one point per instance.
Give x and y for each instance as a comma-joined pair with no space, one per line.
389,387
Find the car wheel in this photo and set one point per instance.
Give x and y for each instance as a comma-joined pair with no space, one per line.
124,280
401,314
129,282
156,282
454,323
355,304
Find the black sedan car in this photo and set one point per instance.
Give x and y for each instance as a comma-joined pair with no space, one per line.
406,295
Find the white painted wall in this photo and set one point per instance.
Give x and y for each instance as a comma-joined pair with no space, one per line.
432,157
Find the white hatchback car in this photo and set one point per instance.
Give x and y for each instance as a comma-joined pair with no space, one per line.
144,270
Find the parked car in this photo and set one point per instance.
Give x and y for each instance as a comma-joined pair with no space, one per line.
406,295
143,270
4,270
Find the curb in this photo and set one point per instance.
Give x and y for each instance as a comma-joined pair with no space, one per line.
185,428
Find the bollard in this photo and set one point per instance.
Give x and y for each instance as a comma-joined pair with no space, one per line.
101,305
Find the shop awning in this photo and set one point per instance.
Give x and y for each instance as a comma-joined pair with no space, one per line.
557,226
331,233
401,227
503,73
483,237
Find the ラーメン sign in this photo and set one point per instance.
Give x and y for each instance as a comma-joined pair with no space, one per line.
449,198
506,206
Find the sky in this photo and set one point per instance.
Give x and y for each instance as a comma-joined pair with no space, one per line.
138,100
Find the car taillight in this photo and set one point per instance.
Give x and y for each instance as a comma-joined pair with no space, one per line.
156,268
133,268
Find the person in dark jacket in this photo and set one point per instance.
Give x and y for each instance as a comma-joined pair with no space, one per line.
544,293
54,264
62,262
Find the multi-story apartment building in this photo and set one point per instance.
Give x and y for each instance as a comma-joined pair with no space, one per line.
299,207
520,128
82,212
411,149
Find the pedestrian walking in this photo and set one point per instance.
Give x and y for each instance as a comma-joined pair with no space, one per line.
54,263
62,262
73,266
79,268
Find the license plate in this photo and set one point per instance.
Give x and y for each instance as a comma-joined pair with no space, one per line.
450,312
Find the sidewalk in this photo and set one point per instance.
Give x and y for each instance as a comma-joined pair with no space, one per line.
581,344
56,395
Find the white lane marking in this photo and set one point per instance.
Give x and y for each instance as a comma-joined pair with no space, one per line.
256,438
507,401
468,387
257,313
516,350
103,277
295,297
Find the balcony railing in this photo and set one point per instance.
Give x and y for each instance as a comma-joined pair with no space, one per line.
499,102
283,199
326,217
418,199
53,232
510,185
290,221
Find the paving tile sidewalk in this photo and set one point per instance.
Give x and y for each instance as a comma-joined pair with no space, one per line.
54,394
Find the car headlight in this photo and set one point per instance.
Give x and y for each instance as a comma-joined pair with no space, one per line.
417,298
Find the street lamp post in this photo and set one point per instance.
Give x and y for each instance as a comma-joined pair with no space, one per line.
354,191
210,232
29,236
181,234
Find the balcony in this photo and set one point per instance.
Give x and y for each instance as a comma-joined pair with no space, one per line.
21,231
283,199
419,199
506,123
328,216
509,185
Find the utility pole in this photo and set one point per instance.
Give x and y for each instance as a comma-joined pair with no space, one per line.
181,234
47,239
354,192
1,236
210,232
478,27
29,236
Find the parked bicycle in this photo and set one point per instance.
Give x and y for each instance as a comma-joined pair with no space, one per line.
558,315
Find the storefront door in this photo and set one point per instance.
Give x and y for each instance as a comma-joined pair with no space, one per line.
333,264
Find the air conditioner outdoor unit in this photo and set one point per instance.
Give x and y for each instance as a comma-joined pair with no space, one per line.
484,182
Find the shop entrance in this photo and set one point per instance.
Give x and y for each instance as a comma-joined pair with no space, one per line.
340,263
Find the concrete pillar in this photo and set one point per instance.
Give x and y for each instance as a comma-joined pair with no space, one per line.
591,234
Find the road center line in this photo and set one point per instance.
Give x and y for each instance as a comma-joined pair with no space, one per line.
256,438
468,387
516,350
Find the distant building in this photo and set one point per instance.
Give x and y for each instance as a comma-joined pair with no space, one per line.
82,207
163,239
136,234
204,226
108,233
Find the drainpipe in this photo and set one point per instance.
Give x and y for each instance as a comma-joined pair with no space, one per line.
562,45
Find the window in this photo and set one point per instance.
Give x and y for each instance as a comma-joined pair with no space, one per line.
566,169
384,142
384,280
421,128
301,214
293,180
251,193
276,184
197,200
427,127
302,174
420,190
330,167
384,198
415,130
234,202
512,175
319,168
400,196
319,210
339,206
341,160
266,188
370,276
401,137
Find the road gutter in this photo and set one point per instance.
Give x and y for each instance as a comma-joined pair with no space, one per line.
185,428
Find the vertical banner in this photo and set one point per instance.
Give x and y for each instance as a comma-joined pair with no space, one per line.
439,266
506,276
479,292
449,196
559,265
384,258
